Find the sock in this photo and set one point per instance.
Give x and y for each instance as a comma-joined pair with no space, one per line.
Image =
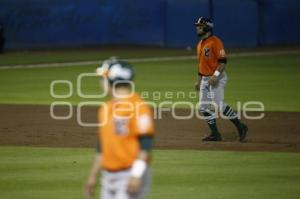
229,112
211,121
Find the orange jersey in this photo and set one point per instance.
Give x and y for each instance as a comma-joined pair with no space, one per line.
123,122
209,51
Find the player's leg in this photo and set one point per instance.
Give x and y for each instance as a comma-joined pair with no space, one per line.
226,110
145,186
107,188
106,194
122,190
122,185
205,102
242,128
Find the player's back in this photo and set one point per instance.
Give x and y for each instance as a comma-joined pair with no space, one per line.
121,129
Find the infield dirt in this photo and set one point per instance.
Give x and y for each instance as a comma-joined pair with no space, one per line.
32,125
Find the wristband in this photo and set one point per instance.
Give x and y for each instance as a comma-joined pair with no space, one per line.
138,168
217,73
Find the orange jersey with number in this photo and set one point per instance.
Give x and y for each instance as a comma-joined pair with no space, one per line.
209,51
123,121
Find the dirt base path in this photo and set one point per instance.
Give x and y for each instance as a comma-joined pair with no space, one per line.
31,125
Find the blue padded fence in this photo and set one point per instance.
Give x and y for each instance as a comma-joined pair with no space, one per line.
166,23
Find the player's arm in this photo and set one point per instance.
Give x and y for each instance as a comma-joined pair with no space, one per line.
141,164
93,174
220,69
146,142
220,54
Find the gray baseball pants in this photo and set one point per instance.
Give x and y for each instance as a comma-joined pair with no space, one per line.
212,97
114,185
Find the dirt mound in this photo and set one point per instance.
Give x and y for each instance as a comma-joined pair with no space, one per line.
32,125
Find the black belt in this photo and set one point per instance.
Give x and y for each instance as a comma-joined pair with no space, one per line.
204,75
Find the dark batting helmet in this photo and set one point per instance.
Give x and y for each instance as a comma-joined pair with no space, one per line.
115,70
206,22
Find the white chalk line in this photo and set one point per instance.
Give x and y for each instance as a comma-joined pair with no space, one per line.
136,60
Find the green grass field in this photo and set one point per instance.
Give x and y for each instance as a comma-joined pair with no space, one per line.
47,173
50,173
69,55
272,80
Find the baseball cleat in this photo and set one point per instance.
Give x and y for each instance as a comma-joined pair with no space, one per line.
212,138
243,132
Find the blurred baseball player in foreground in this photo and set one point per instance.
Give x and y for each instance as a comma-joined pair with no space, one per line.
125,138
212,80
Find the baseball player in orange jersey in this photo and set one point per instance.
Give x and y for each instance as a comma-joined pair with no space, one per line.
212,79
125,138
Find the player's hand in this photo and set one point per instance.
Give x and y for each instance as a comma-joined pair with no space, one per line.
89,186
197,86
213,80
134,185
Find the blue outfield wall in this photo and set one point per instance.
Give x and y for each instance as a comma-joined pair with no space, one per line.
236,22
48,23
167,23
61,23
132,22
180,17
280,22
